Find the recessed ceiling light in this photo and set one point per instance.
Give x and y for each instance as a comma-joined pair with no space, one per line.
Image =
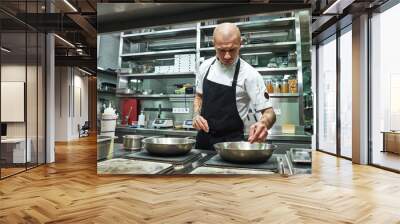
86,72
5,50
64,40
70,5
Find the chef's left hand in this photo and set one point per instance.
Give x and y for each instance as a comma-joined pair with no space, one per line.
258,132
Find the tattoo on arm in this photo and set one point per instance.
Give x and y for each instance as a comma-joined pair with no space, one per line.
268,117
198,100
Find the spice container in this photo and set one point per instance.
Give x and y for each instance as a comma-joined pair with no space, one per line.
270,88
285,86
292,84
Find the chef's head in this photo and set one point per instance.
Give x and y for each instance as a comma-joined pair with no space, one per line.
227,42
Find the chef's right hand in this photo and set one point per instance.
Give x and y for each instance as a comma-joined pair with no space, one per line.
199,123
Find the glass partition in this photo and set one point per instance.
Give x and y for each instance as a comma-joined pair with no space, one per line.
385,88
346,92
327,95
22,91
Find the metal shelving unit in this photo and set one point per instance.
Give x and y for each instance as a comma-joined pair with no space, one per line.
277,36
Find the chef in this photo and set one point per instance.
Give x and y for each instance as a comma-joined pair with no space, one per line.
226,88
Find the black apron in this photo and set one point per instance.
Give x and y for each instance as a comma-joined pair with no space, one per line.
220,110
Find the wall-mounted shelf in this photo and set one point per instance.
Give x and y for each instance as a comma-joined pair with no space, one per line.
276,71
160,34
106,92
160,75
277,46
155,54
108,72
254,24
282,95
157,96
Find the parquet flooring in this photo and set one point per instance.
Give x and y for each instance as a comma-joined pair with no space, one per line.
69,191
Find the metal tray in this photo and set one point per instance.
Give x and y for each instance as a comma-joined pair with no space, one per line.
300,155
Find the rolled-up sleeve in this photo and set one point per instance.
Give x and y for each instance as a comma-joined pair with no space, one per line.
255,89
201,73
199,79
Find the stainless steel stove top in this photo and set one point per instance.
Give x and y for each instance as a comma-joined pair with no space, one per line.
209,162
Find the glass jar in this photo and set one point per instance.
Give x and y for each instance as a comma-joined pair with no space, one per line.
285,86
292,84
277,86
270,88
292,59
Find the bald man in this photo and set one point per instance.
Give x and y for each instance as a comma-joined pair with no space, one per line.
226,87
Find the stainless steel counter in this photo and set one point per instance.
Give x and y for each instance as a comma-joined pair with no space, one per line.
274,136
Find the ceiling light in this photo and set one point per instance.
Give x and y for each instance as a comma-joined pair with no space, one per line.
86,72
70,5
5,50
64,40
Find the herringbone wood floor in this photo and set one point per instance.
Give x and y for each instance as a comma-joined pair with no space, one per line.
69,191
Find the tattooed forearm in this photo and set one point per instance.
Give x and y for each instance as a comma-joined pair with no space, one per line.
198,100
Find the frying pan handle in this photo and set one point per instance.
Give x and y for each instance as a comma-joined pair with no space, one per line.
150,137
191,138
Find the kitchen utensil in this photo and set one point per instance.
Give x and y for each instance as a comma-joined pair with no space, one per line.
187,124
300,155
162,146
244,152
132,142
163,123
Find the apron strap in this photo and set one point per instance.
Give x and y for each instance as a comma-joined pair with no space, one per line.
235,76
208,70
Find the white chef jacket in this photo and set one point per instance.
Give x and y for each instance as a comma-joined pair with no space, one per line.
250,86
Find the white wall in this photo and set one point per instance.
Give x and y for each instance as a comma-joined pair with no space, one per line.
71,94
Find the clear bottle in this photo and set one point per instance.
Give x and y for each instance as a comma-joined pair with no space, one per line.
142,120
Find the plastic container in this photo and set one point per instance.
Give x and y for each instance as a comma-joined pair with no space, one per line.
108,121
142,120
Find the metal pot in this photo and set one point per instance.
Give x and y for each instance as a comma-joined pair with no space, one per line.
161,146
105,146
132,142
245,152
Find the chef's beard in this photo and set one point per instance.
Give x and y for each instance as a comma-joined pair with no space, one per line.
227,65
